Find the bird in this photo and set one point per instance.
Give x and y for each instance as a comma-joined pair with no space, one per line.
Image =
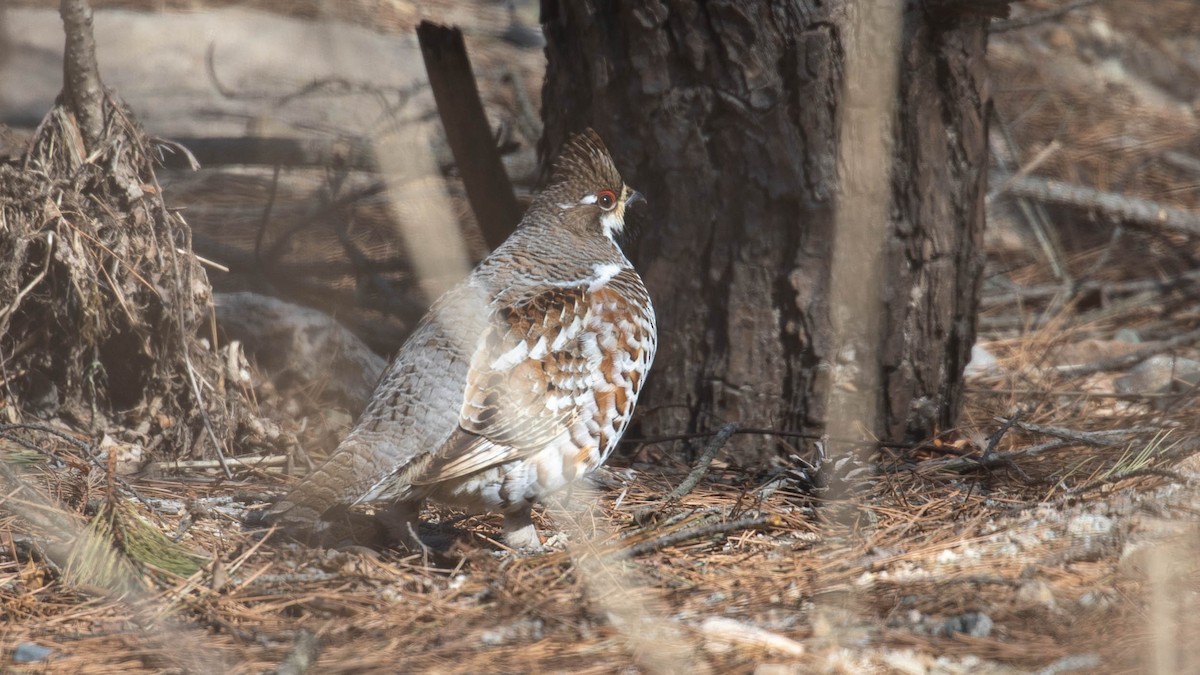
517,382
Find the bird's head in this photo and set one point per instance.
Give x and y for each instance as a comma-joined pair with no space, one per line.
587,188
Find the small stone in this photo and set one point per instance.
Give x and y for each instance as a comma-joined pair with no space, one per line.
338,419
1061,39
776,669
975,624
821,626
1090,525
1101,31
28,652
1073,663
982,362
526,37
1160,374
907,662
1127,335
557,541
1036,591
1095,600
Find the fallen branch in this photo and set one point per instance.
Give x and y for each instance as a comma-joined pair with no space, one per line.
248,461
1131,358
1062,438
1099,439
994,440
698,532
989,458
1035,216
467,130
1070,393
965,464
1038,17
1125,475
1106,289
693,478
872,443
1114,206
84,446
92,455
726,632
295,578
293,152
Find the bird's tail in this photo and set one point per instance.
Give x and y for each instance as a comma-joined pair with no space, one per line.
340,481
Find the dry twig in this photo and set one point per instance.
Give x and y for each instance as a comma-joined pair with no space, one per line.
1131,358
1117,207
693,478
1063,438
1038,17
699,532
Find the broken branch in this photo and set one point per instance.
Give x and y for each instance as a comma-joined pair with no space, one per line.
467,130
1118,207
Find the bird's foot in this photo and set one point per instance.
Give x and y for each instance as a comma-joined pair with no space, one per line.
401,520
520,534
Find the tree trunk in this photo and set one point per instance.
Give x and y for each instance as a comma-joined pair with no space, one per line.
81,74
725,114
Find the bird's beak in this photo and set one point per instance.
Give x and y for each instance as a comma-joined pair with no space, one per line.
633,198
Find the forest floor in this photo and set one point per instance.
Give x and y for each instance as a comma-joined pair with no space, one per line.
1055,530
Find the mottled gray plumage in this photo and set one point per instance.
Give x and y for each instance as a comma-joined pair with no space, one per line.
518,381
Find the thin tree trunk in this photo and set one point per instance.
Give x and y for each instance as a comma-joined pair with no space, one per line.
82,91
725,114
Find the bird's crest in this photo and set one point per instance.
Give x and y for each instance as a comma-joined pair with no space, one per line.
584,161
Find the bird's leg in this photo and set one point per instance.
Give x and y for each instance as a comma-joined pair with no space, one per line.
519,532
401,519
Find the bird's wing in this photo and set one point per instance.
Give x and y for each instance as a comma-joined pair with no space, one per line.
527,383
413,410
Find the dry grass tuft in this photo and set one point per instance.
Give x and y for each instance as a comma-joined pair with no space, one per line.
100,300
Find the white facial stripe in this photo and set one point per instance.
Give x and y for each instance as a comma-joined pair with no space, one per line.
613,222
590,199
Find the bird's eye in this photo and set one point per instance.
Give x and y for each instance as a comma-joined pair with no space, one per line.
606,199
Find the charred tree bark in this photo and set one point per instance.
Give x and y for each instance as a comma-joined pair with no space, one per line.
470,137
725,114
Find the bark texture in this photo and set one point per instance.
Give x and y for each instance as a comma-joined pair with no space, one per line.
81,75
725,114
